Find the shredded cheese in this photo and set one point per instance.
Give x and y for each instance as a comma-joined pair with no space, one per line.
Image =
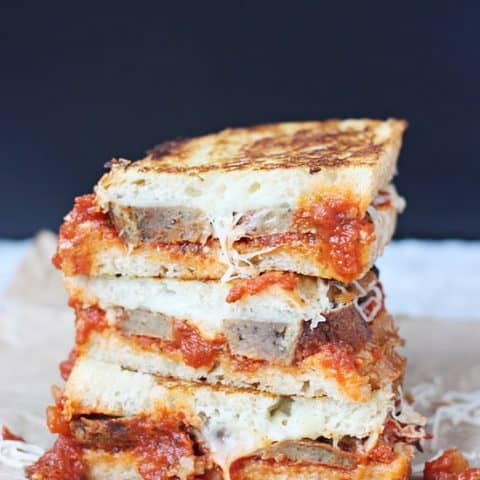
453,406
390,193
17,454
459,408
376,299
231,227
319,318
359,287
405,413
447,408
228,230
341,286
369,444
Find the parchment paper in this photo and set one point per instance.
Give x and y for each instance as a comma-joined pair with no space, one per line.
36,333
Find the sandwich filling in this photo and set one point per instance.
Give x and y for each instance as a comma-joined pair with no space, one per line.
348,350
143,304
334,234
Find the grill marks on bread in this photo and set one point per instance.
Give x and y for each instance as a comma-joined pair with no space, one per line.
313,145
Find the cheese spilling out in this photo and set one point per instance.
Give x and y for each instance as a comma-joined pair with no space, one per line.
228,229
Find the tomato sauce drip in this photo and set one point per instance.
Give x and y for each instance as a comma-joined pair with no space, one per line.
56,421
156,446
343,232
382,452
451,465
63,461
8,435
196,350
66,366
237,466
339,357
159,445
87,320
84,227
252,286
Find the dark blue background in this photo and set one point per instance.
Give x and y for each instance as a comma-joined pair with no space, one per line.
80,84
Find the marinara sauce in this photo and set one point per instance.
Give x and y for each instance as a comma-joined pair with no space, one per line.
451,465
342,231
63,461
156,447
80,236
252,286
196,350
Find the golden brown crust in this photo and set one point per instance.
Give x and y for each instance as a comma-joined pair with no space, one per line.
313,145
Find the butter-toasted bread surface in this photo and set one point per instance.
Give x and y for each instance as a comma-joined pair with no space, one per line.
312,145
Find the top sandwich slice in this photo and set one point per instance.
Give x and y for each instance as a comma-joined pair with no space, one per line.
299,182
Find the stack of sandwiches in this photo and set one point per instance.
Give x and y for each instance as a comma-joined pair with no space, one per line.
230,321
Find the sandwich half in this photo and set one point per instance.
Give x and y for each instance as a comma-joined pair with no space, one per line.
280,332
112,415
309,197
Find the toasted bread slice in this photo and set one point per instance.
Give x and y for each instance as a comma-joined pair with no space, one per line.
316,178
236,427
124,466
274,166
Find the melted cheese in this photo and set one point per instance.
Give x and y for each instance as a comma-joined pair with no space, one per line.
228,230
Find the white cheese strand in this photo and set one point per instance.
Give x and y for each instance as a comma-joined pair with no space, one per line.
228,230
359,287
406,414
460,407
377,298
319,318
17,454
454,408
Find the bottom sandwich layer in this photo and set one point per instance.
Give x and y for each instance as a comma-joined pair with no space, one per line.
139,448
156,428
